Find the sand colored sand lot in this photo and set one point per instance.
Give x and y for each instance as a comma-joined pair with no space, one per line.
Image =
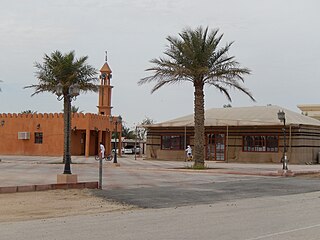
54,203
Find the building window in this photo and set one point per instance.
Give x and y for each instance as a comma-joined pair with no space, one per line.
272,143
172,142
260,143
38,137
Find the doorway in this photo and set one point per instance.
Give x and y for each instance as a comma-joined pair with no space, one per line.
83,143
216,146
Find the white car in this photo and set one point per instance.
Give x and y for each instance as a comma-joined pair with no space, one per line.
128,149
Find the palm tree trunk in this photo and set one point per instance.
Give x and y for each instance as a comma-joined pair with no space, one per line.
199,126
67,130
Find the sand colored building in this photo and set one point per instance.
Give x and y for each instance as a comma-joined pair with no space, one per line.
310,110
43,133
245,134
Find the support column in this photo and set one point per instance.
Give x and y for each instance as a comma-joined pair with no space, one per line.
99,136
87,147
108,142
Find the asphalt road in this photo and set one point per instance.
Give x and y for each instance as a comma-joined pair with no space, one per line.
212,192
267,218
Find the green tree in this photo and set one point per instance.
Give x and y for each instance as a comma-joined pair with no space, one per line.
227,105
75,109
28,112
141,130
66,70
127,132
194,57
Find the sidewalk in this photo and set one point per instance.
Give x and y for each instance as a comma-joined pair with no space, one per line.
128,161
37,173
265,169
33,172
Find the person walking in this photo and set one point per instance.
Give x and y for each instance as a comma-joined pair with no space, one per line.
102,150
189,153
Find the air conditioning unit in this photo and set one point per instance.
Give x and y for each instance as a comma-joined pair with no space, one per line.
23,135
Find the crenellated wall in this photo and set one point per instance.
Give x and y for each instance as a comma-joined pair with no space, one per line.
52,115
50,124
87,130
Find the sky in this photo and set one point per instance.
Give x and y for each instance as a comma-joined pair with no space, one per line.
277,40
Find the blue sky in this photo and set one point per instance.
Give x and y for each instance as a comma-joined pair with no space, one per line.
277,40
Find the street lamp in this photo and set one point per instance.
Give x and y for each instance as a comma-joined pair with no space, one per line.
282,118
73,92
116,122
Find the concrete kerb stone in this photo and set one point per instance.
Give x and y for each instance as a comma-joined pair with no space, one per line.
30,188
8,189
279,173
221,171
45,187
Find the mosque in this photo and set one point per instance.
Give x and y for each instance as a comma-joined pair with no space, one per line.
42,134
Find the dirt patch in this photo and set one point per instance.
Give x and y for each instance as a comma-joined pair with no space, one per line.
54,203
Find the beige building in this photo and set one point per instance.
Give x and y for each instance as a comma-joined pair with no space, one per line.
310,110
245,134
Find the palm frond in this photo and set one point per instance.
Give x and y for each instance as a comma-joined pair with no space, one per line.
65,69
194,56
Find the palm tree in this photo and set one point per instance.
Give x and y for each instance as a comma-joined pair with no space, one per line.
194,57
28,112
127,132
66,70
75,109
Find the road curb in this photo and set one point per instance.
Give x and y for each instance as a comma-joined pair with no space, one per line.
279,173
45,187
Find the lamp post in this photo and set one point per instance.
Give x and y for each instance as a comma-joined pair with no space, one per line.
116,122
72,92
282,118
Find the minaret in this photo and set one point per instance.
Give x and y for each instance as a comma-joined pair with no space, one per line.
104,107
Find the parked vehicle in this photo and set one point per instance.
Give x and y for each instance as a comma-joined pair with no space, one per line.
122,151
138,149
128,149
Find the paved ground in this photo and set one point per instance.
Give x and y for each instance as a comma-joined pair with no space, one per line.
229,201
141,174
158,184
132,173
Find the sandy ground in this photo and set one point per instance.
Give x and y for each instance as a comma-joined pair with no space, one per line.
54,203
